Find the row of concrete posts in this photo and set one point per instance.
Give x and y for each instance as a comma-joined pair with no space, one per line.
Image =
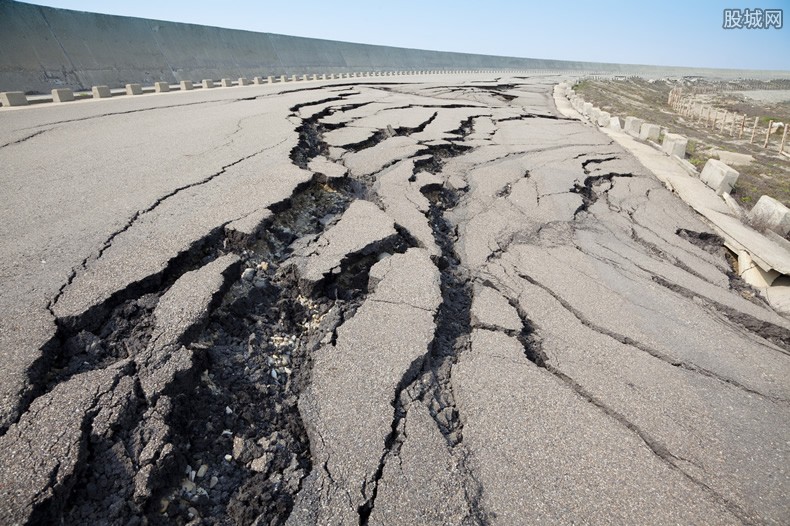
717,175
19,98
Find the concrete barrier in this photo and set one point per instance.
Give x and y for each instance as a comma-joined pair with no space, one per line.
226,83
134,89
718,176
593,114
294,78
207,83
161,87
244,81
770,213
633,126
62,95
101,92
649,132
674,144
282,78
270,80
604,119
614,122
13,98
185,85
77,50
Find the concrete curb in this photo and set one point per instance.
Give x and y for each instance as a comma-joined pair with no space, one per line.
18,98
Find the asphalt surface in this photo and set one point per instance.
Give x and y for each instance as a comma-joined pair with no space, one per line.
423,301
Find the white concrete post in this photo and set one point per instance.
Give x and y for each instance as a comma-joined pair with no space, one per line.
101,92
13,98
134,89
62,95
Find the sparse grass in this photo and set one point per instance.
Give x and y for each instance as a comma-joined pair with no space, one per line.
765,119
758,179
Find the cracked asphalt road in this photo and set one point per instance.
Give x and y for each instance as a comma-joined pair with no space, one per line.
433,302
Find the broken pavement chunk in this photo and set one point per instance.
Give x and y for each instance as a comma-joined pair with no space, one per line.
490,308
377,352
180,312
361,229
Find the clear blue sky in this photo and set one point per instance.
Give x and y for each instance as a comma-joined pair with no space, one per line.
660,32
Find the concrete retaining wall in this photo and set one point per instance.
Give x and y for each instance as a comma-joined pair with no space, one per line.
42,48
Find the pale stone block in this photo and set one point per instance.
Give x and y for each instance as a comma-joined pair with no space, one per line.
604,119
772,214
13,98
208,83
134,89
161,87
323,76
751,272
270,80
718,176
244,81
294,78
674,144
633,126
226,83
593,114
101,92
649,132
186,85
62,95
614,122
258,80
283,78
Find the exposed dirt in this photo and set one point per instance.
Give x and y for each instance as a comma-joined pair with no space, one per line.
232,448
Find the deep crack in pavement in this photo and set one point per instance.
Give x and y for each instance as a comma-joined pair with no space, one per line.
377,303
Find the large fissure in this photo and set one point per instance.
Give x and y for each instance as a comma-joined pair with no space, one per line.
234,442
